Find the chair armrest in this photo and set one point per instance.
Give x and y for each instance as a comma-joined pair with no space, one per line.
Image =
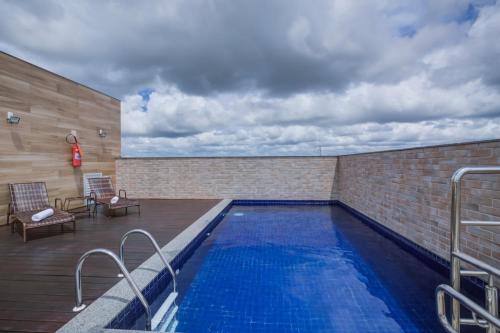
120,193
56,200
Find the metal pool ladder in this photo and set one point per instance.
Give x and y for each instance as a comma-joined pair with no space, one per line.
487,316
78,279
165,318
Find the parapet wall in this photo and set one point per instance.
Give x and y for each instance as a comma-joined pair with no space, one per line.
234,177
409,191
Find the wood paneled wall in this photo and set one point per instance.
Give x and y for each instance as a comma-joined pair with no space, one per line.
50,106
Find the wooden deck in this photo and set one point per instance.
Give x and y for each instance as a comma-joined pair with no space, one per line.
37,278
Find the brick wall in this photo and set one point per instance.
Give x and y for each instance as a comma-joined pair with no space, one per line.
409,192
406,190
235,177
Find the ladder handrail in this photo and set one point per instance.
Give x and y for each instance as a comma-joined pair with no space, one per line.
476,309
78,282
155,245
455,274
487,268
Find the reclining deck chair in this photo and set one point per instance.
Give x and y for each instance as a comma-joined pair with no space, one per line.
101,192
28,199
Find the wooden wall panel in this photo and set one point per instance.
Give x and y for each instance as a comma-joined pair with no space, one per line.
50,106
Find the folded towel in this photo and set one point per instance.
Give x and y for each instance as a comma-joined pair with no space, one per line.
42,215
114,200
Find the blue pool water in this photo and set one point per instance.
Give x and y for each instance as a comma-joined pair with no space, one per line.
304,269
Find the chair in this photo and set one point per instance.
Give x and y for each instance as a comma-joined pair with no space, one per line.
101,192
28,199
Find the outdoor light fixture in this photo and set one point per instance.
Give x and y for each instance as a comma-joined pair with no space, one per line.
11,119
102,133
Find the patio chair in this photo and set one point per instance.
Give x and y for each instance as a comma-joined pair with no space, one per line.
101,192
28,199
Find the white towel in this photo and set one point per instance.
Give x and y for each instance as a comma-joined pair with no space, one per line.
114,200
42,215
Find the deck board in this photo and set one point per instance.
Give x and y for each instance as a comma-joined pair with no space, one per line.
37,278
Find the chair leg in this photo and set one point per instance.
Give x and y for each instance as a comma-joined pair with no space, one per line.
9,212
25,235
126,210
139,210
74,226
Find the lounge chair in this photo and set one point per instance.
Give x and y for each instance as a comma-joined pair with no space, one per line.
101,192
28,199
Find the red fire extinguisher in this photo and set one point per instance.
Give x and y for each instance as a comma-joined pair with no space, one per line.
76,151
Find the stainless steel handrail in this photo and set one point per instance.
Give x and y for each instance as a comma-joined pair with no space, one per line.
477,263
78,282
155,245
476,309
455,255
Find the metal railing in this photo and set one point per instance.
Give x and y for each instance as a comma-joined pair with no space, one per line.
489,316
488,320
78,282
155,245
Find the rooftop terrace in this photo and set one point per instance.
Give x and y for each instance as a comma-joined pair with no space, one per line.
407,191
37,280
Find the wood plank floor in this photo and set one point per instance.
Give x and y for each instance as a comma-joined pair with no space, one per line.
37,278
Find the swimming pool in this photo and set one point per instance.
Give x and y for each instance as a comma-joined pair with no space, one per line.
302,268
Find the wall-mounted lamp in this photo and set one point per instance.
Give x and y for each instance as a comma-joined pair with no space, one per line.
11,119
102,133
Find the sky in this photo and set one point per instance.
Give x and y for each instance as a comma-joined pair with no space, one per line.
274,77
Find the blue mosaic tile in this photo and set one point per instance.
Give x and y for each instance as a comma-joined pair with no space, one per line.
473,284
305,269
133,315
281,202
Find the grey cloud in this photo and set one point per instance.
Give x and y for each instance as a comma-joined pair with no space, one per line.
333,141
205,47
274,77
42,10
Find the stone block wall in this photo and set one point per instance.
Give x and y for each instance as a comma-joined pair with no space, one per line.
234,177
409,191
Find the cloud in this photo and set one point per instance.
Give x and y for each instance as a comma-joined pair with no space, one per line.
218,46
411,112
307,140
274,77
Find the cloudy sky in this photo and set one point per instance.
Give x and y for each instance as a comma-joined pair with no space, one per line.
274,77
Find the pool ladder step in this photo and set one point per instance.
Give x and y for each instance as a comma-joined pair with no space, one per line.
165,318
483,316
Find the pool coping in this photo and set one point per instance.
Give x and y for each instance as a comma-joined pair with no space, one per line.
104,309
99,315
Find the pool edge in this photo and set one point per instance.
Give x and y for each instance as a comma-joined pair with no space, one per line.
107,307
119,297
